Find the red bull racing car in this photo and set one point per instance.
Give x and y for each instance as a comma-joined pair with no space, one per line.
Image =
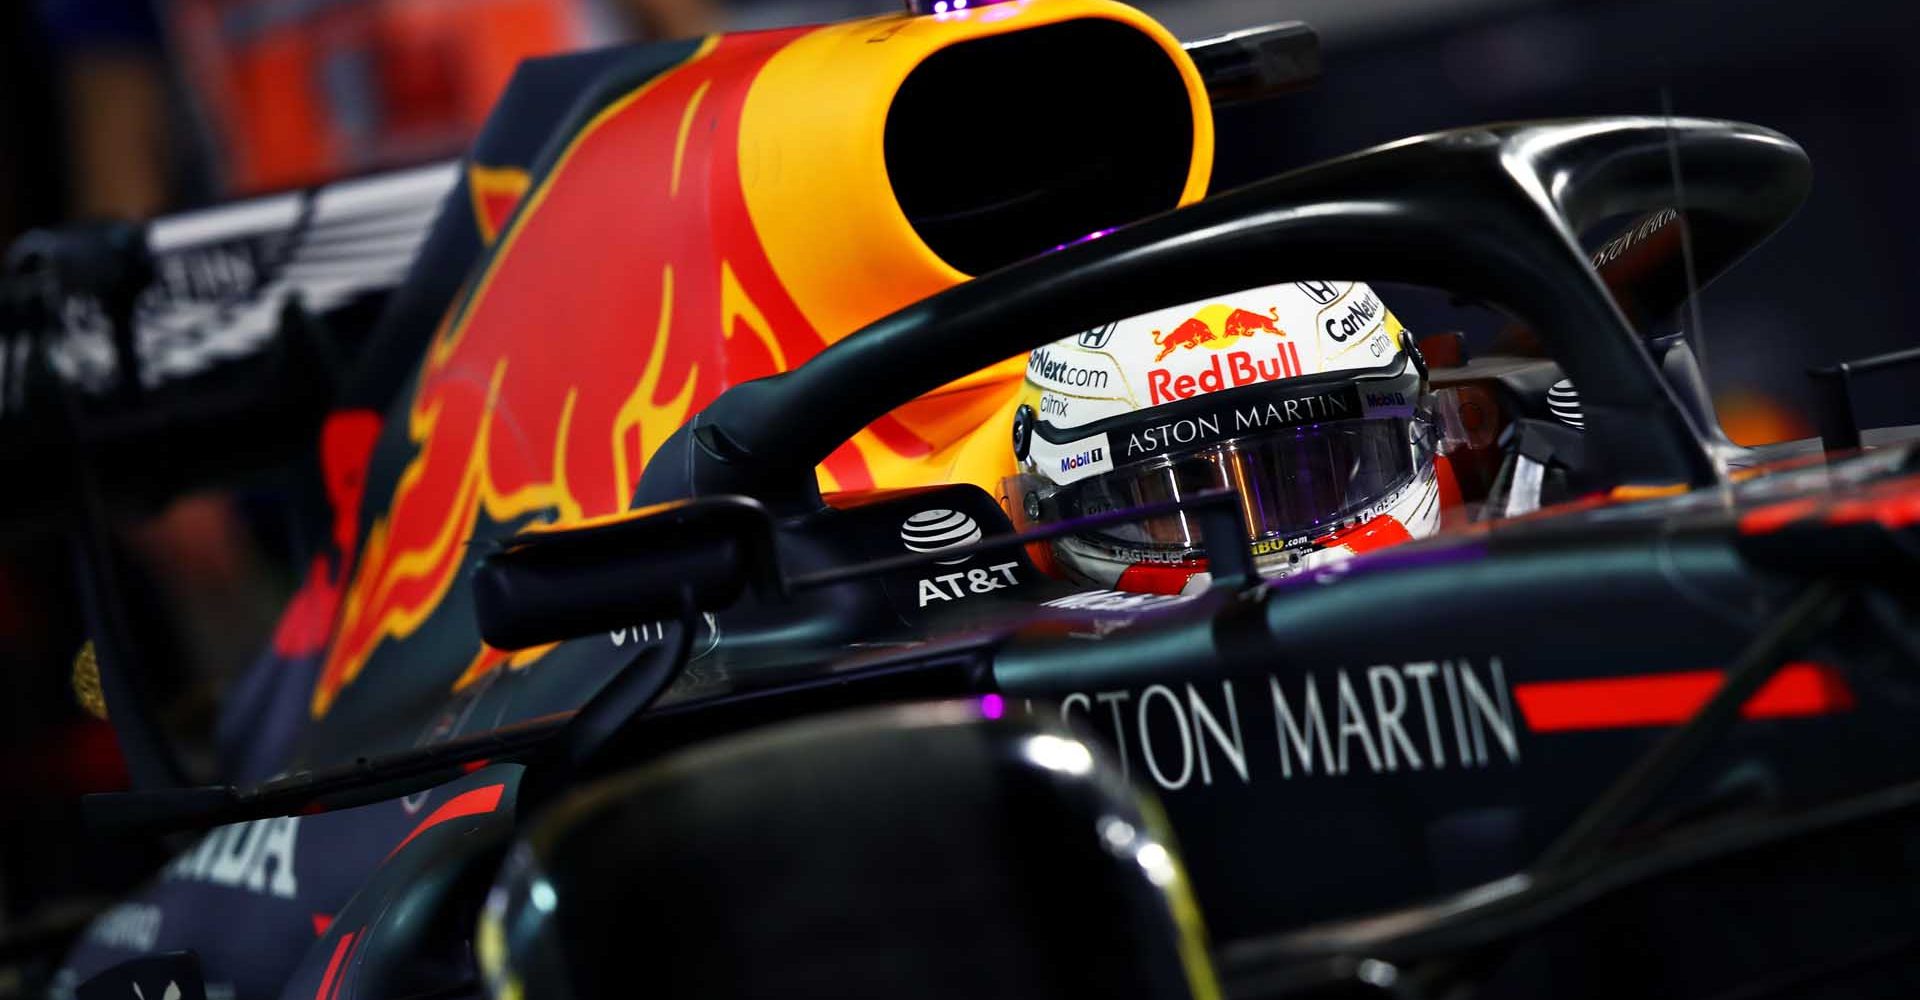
844,511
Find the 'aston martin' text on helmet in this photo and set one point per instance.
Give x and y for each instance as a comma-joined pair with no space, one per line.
1304,398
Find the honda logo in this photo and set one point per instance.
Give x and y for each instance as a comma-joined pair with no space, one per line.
1319,291
1097,338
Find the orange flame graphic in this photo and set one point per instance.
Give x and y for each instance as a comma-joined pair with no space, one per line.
628,292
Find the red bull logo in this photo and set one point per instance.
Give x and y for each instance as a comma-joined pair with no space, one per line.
1227,370
1224,329
1216,327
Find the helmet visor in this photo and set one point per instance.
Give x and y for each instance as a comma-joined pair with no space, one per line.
1299,481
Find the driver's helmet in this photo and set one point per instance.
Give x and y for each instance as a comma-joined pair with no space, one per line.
1305,398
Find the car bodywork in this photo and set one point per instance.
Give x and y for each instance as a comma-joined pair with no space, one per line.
577,343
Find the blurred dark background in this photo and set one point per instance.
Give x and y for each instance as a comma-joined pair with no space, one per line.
118,108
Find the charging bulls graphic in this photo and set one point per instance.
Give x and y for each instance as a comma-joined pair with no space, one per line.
1215,327
628,291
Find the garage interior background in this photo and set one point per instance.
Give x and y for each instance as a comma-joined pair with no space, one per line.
1835,77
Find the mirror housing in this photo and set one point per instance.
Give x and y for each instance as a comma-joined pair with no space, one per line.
550,583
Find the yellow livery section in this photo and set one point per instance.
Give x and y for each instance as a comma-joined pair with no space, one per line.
815,169
826,198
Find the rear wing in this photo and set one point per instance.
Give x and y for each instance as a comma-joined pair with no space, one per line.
235,322
207,287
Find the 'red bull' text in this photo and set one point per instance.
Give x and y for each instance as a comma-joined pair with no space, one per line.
1228,370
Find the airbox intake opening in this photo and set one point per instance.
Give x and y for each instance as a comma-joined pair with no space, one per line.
1004,147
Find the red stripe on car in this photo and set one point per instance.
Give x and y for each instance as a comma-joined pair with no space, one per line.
475,802
333,965
1798,690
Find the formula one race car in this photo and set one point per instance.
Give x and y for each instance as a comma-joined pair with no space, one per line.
839,511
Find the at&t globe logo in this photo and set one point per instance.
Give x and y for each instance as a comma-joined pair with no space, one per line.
937,531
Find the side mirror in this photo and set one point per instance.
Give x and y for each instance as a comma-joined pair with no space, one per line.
546,584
